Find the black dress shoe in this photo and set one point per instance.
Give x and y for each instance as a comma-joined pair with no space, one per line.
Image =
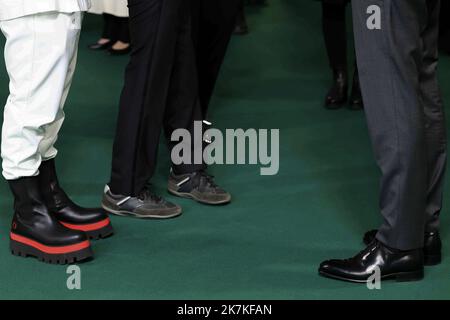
99,47
337,95
393,264
432,250
93,221
36,232
356,100
121,52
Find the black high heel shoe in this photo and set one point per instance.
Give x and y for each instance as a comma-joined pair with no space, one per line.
241,27
337,95
121,52
100,46
356,100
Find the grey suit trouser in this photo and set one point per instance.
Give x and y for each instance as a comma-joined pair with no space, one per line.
397,52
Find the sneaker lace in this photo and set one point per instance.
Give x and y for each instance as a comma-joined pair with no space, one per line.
147,195
209,179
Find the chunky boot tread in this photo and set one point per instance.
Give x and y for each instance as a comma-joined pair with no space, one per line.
102,233
49,249
25,250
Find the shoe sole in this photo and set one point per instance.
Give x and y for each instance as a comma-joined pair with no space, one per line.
399,277
123,213
24,247
193,197
95,231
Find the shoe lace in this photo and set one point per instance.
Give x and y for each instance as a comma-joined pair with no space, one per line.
147,195
209,179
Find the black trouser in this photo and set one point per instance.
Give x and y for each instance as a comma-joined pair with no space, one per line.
116,28
214,22
335,32
160,91
404,110
444,20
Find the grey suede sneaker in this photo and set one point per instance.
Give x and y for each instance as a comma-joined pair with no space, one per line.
144,206
198,186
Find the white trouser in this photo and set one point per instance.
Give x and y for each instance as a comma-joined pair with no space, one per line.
40,56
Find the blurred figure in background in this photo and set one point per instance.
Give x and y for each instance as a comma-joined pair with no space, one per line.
115,37
335,36
241,27
213,25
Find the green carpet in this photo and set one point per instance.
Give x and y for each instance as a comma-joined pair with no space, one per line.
268,243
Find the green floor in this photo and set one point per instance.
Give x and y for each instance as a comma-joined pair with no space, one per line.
268,243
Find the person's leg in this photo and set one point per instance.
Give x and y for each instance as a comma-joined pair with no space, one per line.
132,163
47,148
335,33
108,27
435,129
107,37
215,20
335,36
183,107
355,99
123,30
34,111
92,221
435,135
240,23
389,46
121,44
388,59
32,118
154,27
188,180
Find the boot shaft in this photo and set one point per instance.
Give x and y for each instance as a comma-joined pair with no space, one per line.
53,194
29,203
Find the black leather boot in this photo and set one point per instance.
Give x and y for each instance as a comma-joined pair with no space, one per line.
95,222
356,100
393,264
432,250
36,232
337,95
